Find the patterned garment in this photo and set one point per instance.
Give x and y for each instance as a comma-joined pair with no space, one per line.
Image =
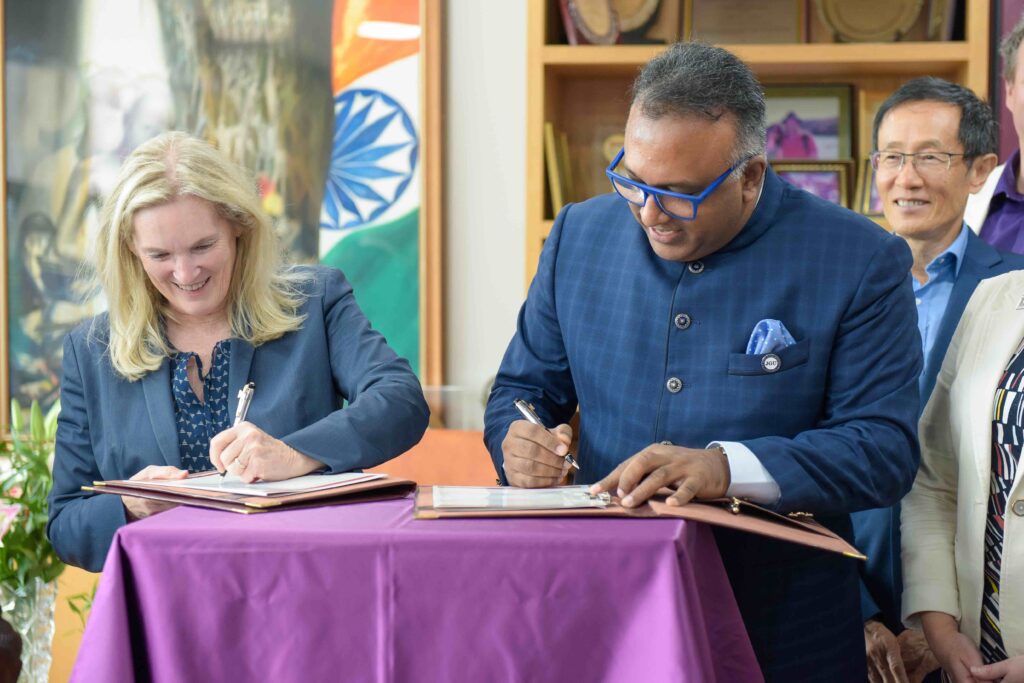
1007,437
198,421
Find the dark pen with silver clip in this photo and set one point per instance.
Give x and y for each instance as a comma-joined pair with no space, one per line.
244,399
526,411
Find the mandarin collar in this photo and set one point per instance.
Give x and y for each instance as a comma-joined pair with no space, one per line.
763,216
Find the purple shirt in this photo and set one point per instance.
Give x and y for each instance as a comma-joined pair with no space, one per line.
1004,226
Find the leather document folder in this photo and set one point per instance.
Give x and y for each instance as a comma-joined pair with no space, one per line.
382,488
733,513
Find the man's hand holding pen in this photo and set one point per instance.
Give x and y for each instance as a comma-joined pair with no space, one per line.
690,472
535,456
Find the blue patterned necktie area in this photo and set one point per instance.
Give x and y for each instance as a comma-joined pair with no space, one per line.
198,421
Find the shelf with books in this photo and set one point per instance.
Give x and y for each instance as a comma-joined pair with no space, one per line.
583,91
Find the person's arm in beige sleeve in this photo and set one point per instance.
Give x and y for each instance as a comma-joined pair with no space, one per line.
931,600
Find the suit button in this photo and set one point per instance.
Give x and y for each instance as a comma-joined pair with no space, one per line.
1018,508
674,385
771,363
682,321
696,267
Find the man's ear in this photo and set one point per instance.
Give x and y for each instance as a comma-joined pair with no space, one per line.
980,169
753,174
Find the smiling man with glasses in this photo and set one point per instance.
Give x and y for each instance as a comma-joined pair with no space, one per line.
722,333
935,144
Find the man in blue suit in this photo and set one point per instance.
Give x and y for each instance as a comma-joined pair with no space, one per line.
723,333
935,145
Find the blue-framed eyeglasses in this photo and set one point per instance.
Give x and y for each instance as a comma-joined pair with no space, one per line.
674,204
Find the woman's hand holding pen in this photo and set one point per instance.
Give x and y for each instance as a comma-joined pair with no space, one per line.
534,456
254,455
140,508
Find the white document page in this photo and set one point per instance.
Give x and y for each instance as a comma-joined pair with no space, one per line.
232,484
510,498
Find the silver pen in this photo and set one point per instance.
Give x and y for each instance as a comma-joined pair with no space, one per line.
527,412
244,399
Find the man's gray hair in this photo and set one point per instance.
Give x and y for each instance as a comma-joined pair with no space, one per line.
697,79
1008,49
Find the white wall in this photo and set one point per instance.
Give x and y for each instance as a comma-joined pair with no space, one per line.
484,158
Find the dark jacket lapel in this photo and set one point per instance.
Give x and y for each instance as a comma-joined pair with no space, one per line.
238,374
979,261
160,404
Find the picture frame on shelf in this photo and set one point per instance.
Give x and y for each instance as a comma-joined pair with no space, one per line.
735,22
867,201
809,122
828,180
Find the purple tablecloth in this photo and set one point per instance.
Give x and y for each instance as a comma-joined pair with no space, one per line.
364,592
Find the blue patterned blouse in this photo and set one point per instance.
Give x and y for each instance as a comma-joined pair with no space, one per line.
199,421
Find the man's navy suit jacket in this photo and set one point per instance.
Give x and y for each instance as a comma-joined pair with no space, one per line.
607,325
878,531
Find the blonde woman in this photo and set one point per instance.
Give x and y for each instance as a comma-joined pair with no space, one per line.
963,564
200,304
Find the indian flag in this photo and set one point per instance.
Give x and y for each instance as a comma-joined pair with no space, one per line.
369,221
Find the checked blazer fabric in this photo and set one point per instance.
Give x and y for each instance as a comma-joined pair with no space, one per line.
652,350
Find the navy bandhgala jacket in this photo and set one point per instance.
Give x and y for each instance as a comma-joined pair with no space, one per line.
653,350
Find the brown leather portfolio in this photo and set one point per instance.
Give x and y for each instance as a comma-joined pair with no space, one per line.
734,513
376,489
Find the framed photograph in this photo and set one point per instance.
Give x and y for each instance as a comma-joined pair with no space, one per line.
333,105
829,181
867,200
808,122
736,22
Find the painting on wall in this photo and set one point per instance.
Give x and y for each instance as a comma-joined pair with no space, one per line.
336,151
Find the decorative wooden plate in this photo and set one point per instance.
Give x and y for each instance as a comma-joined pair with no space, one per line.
869,20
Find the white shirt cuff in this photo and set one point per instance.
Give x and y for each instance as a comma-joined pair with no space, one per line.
748,478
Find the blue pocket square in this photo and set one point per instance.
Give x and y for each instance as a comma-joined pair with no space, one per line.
768,336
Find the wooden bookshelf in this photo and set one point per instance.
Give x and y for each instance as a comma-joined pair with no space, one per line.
584,91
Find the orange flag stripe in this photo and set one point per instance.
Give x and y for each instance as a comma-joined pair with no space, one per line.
352,55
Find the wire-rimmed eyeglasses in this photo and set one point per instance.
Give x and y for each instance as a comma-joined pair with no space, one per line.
889,161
